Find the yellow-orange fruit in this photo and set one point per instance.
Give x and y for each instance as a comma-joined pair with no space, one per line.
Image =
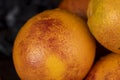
78,7
54,45
104,23
107,68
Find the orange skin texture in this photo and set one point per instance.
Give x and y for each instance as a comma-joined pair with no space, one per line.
78,7
54,45
107,68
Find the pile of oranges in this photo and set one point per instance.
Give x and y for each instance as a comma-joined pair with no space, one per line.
63,43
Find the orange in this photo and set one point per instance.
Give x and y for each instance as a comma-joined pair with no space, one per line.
107,68
78,7
104,23
54,45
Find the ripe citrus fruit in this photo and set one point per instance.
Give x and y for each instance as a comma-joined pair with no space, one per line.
104,23
107,68
54,45
78,7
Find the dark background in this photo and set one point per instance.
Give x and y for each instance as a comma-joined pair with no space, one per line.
13,14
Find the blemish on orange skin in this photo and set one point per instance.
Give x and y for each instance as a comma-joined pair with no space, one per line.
46,32
72,72
46,37
56,46
92,76
47,24
44,27
43,32
23,46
